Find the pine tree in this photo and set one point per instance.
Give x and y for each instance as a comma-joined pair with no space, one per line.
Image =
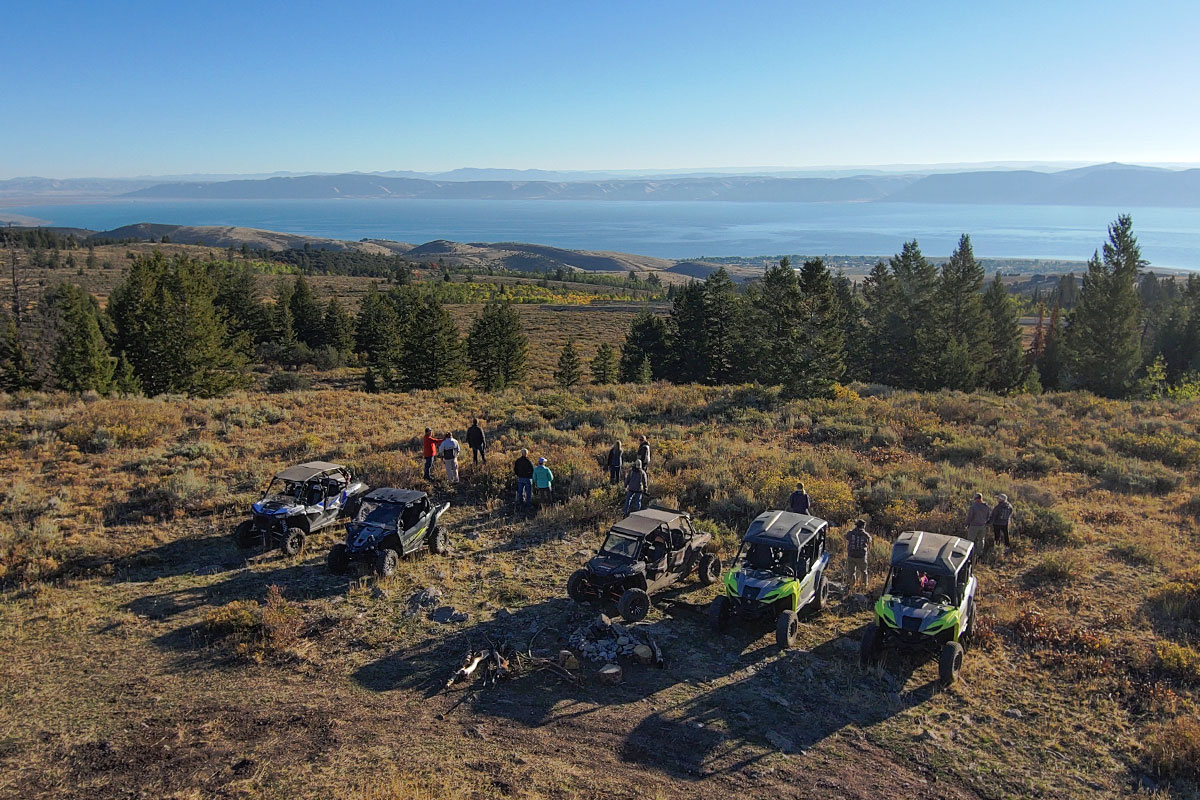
821,360
1050,362
378,328
16,373
337,328
125,383
646,343
919,339
238,302
1038,344
722,332
775,316
570,368
432,352
283,322
881,300
854,330
645,372
604,365
687,337
306,313
1104,330
496,346
81,359
1004,368
960,316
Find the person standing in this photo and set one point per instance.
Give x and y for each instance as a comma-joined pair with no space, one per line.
430,443
616,458
523,469
857,543
977,520
543,483
449,451
799,502
636,485
1000,519
643,453
477,442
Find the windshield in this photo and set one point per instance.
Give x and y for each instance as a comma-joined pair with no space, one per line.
618,544
760,556
911,582
290,490
381,515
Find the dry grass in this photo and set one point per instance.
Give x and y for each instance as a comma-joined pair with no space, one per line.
146,656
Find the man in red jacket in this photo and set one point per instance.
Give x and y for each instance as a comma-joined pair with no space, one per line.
431,443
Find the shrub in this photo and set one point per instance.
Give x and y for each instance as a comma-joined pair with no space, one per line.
1169,448
1180,597
1173,748
1178,660
1037,464
110,424
284,381
1045,525
1139,554
1055,568
1140,477
240,618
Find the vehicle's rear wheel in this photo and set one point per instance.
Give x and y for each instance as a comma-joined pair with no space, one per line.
786,629
246,535
634,605
949,662
439,542
718,614
338,560
820,598
577,586
869,647
292,542
966,637
387,561
710,569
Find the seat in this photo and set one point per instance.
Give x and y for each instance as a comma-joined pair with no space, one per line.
760,557
906,584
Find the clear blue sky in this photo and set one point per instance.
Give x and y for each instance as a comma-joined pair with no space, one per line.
153,87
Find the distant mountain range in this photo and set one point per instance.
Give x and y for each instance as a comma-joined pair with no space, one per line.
1107,184
1119,185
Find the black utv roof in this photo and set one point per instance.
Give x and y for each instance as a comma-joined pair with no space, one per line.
931,552
783,529
304,472
386,495
641,523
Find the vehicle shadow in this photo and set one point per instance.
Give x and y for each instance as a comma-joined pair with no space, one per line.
789,704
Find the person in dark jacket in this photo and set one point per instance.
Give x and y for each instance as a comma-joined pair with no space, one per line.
999,520
636,486
858,541
799,502
477,442
523,469
643,454
616,460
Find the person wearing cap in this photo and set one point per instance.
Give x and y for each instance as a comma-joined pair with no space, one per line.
449,451
999,520
616,460
857,543
543,482
636,486
523,469
799,502
430,443
477,442
977,520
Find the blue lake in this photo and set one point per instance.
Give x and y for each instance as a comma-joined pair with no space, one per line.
1170,237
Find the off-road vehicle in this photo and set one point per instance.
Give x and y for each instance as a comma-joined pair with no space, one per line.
647,551
389,524
928,601
778,574
298,501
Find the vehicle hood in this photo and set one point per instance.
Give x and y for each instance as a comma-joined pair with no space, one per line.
365,537
272,506
755,584
914,614
603,566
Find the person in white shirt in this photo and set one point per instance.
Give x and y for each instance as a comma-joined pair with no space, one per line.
448,451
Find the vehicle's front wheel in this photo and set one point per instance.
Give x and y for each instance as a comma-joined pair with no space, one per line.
292,542
577,586
710,569
246,535
634,605
338,560
786,629
718,614
869,647
439,542
949,662
387,561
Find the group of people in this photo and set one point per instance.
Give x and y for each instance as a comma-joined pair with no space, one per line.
448,450
637,480
980,517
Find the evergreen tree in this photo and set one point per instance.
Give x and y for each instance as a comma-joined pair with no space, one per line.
1050,361
646,343
722,331
775,316
283,323
497,345
881,300
687,337
306,312
1104,330
822,357
854,331
81,359
433,350
125,383
645,372
238,302
919,339
960,316
1005,365
570,368
377,328
604,365
337,329
16,373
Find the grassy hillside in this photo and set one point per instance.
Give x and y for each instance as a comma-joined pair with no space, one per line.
146,657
